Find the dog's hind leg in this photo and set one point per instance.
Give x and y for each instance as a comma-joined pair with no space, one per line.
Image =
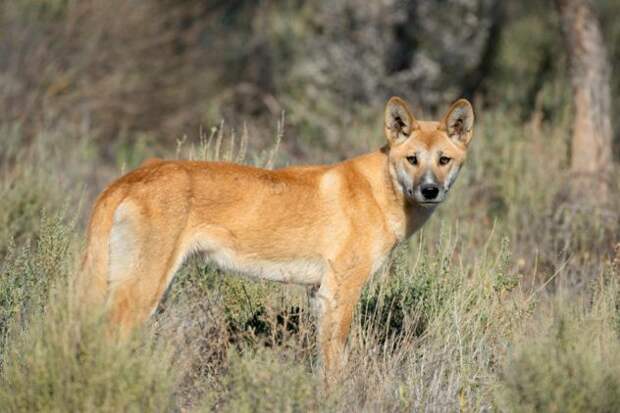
144,257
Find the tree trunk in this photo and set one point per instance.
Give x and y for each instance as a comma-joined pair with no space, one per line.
590,72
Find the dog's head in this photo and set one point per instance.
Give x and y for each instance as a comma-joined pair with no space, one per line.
425,156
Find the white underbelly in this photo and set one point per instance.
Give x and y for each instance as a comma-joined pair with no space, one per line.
296,271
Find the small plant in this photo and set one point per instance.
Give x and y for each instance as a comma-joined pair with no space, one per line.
28,273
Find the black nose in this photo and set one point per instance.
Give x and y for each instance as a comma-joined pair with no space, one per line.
429,191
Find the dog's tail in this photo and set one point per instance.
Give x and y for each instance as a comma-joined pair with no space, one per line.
92,280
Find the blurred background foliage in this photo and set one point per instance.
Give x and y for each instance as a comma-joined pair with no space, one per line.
161,69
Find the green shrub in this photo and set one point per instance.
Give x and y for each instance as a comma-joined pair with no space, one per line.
35,176
567,361
62,364
28,272
266,381
52,359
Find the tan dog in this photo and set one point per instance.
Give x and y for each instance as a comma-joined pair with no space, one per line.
329,226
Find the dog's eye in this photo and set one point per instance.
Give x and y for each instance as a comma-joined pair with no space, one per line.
444,160
413,160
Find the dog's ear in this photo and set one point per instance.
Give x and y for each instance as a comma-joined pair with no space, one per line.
459,122
398,121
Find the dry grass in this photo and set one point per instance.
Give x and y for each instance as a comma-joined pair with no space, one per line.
507,300
496,304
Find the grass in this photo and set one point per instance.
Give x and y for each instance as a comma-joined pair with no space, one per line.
570,362
506,300
60,365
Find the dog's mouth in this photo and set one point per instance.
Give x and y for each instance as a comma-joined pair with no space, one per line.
424,202
429,204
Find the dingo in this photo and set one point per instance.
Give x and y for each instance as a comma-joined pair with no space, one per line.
328,226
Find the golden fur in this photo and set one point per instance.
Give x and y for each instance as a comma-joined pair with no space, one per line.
328,226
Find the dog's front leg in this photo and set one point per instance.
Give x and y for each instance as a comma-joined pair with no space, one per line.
336,299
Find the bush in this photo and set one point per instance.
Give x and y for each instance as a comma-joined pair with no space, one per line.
52,359
28,273
63,364
567,361
266,381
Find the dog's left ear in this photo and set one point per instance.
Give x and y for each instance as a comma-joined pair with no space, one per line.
459,122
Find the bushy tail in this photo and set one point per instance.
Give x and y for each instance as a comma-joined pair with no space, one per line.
92,281
92,285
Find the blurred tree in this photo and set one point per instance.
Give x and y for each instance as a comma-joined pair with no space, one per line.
473,83
349,56
590,77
